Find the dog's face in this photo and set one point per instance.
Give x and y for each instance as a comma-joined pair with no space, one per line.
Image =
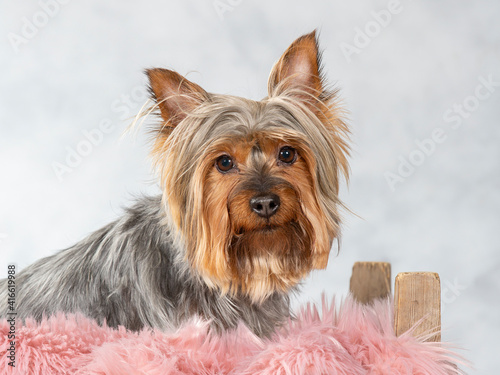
251,188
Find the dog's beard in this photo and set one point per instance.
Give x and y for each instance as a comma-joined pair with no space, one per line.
270,258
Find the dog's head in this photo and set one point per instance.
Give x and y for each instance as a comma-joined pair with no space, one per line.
251,187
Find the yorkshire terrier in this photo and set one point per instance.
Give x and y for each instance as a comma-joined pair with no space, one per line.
249,207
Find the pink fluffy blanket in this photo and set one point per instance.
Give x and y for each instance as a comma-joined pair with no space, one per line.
350,339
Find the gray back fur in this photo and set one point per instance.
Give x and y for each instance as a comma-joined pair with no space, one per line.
129,273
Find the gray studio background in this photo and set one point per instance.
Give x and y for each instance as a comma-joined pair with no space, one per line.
422,87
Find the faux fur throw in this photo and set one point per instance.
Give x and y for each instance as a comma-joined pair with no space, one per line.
350,339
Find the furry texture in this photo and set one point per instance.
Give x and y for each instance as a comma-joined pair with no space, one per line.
129,274
205,207
353,339
203,248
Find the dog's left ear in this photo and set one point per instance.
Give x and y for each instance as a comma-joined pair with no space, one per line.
175,95
298,71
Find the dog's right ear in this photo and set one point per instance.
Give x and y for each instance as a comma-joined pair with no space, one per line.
174,95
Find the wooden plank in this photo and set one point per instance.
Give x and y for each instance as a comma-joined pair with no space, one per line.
417,297
370,280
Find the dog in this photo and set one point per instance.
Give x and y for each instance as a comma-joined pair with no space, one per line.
249,207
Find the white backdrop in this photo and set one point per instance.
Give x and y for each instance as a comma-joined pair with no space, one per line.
421,80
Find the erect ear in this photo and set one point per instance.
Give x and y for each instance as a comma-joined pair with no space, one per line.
174,94
298,70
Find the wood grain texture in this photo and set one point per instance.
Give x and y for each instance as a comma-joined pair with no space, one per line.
370,281
417,299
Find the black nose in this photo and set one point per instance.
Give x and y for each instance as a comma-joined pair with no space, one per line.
265,205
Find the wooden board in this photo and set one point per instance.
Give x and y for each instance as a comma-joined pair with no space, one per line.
417,296
370,280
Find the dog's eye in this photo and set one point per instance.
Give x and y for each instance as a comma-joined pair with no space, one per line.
224,163
287,155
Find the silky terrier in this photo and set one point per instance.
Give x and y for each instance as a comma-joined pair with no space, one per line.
249,207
